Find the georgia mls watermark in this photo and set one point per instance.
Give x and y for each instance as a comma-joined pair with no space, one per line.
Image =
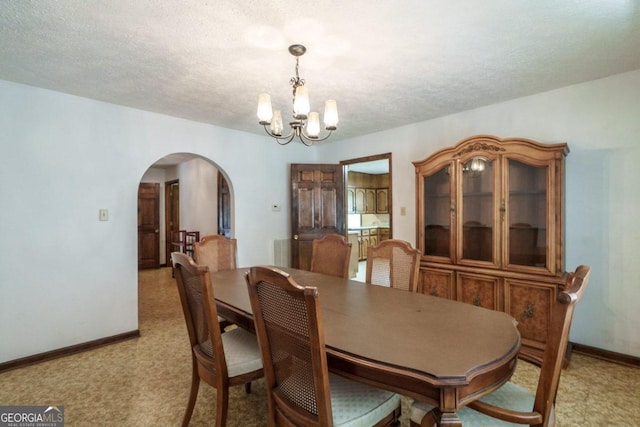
32,416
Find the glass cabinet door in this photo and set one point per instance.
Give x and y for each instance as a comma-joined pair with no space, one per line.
527,214
437,213
478,210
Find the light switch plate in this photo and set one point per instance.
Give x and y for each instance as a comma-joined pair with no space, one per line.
103,214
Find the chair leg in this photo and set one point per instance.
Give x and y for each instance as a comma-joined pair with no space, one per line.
247,387
193,395
430,419
222,406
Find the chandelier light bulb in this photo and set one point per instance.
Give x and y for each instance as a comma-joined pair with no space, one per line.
330,114
313,125
301,105
276,123
264,108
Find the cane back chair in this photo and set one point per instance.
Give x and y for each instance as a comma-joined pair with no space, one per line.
511,405
300,389
331,255
220,359
393,263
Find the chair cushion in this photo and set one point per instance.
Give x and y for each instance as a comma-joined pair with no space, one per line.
357,404
509,396
241,351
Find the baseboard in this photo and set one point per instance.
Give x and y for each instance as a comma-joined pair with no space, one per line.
610,356
66,351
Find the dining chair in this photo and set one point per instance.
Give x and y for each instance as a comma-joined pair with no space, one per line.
218,253
393,263
331,255
511,404
300,389
220,360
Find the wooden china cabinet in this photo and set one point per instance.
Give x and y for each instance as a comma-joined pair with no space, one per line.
490,225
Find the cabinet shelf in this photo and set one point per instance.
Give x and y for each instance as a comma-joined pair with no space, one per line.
528,193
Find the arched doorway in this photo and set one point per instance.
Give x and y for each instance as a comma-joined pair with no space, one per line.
195,195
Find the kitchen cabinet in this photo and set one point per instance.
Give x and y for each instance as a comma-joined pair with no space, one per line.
367,193
355,254
360,200
383,234
382,200
490,225
369,237
351,200
370,203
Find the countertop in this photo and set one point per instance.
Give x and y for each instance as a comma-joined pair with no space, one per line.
368,227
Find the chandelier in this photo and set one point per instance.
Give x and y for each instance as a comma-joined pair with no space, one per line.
305,125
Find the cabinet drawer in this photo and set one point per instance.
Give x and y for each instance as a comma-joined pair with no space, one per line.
365,232
479,290
530,304
437,283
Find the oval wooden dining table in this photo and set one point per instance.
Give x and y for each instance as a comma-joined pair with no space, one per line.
442,352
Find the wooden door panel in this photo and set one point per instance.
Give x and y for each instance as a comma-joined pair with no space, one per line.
306,208
328,206
149,225
317,203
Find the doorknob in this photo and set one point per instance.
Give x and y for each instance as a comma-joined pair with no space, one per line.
157,231
295,237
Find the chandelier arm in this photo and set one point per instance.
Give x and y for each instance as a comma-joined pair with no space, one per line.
306,141
289,136
314,139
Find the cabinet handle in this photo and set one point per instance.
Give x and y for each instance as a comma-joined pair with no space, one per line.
528,312
295,237
434,292
476,299
453,209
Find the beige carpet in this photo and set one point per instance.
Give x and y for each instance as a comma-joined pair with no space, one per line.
145,381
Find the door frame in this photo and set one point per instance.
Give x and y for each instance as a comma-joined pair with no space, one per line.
346,163
171,222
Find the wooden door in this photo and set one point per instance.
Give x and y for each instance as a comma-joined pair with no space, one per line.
171,215
317,207
224,207
148,225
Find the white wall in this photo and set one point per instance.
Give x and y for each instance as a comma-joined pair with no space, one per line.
198,196
600,120
68,278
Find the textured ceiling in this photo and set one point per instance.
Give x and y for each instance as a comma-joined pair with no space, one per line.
387,63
